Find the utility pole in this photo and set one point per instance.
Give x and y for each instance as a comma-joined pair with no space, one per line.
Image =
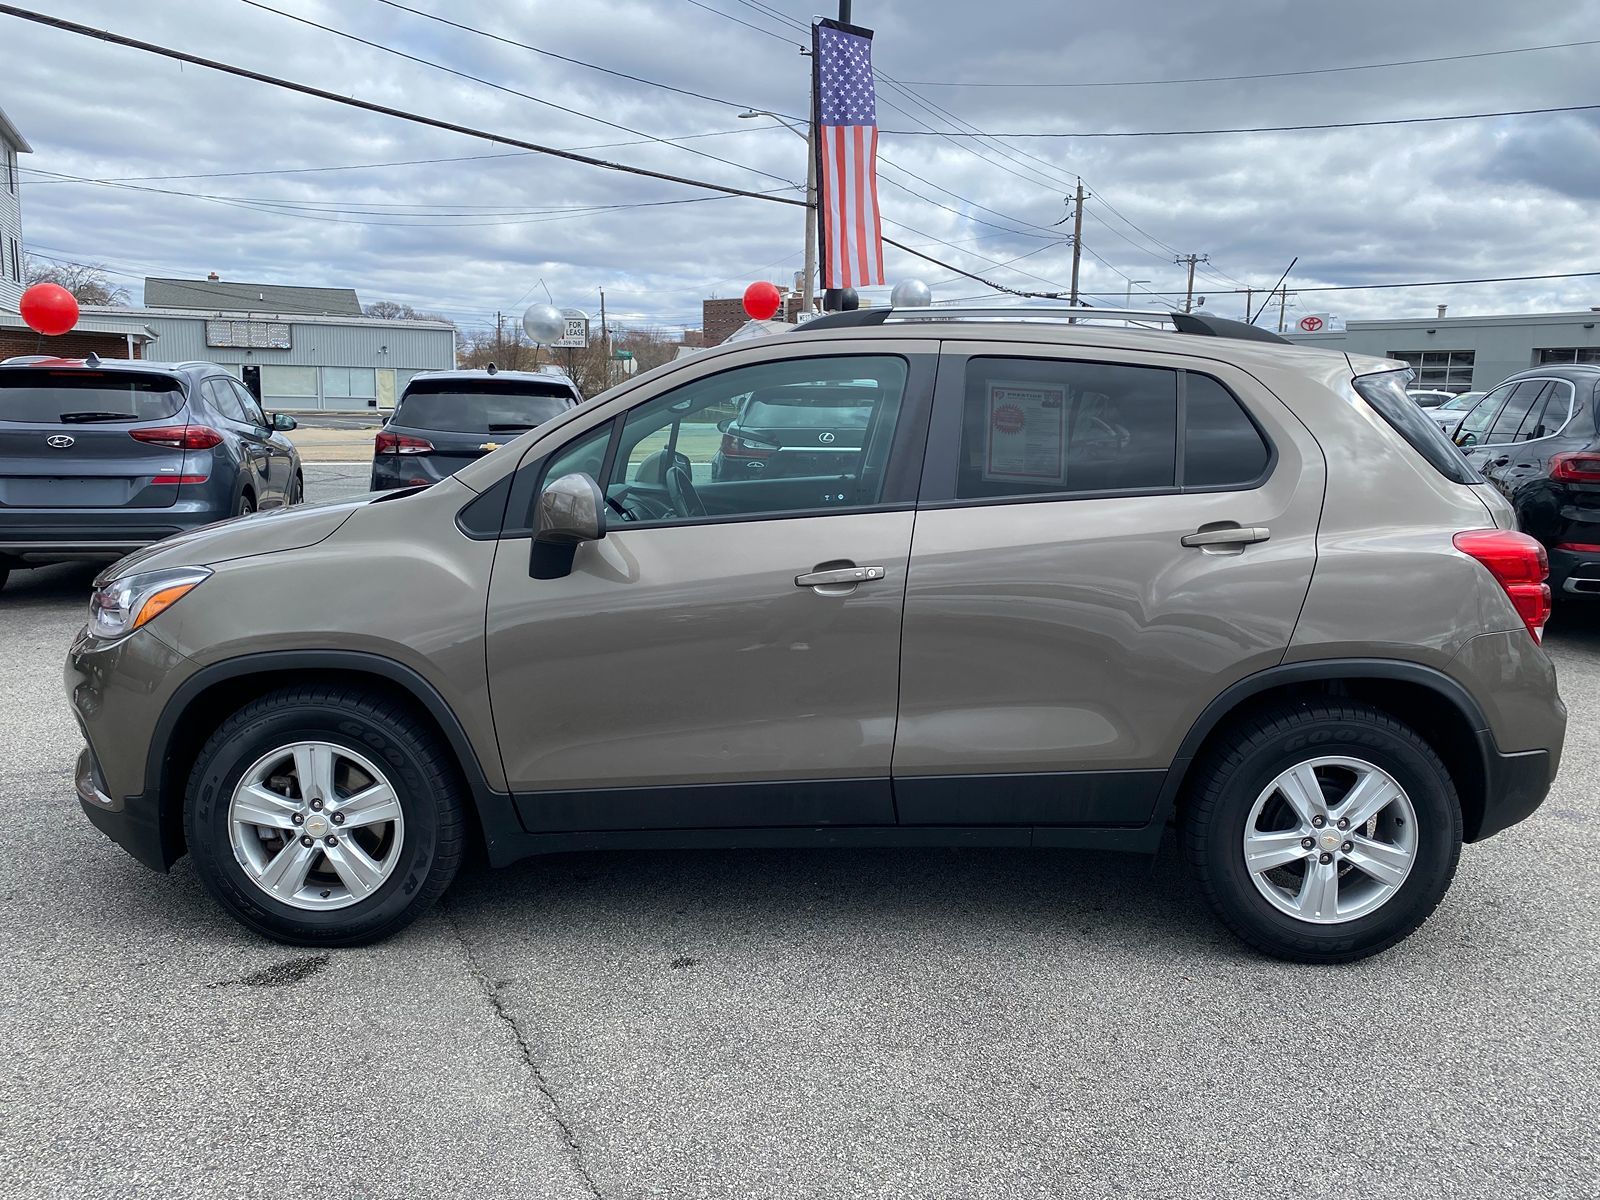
605,337
1283,308
1191,259
1248,293
1077,242
499,351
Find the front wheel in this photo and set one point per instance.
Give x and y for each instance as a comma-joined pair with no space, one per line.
324,816
1323,832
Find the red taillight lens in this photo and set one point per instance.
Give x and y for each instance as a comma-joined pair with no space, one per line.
181,437
178,480
400,443
736,447
1576,468
1578,547
1520,565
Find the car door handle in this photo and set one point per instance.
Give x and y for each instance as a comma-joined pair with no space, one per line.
1233,535
1501,461
847,576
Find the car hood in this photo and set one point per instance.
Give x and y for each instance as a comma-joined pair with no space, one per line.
261,533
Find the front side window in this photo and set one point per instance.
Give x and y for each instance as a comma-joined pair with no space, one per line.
1477,423
1035,427
248,402
799,435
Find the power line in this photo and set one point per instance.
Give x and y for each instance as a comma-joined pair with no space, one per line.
1133,133
1404,62
500,87
746,24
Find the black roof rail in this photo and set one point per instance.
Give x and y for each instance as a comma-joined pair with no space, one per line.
1201,324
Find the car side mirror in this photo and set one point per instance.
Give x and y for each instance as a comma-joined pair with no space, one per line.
724,425
283,422
571,510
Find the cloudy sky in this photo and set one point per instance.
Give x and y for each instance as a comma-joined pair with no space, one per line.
199,171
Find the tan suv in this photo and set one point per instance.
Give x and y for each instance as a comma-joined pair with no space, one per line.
1048,582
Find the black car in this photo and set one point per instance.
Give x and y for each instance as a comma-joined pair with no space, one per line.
1535,438
810,430
446,419
99,457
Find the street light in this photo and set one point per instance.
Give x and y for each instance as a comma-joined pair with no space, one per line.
1127,298
807,291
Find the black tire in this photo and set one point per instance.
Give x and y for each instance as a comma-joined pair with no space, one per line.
297,489
246,505
419,768
5,574
1250,756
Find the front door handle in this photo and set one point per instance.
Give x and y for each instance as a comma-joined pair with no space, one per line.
1232,535
838,576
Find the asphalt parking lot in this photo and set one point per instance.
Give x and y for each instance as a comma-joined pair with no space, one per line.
781,1024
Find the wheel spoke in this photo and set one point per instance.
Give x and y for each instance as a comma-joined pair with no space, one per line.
1371,795
1319,891
1303,792
1388,864
313,763
1264,851
359,872
369,806
257,805
286,873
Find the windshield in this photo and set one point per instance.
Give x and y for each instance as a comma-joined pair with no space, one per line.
483,408
1462,402
821,408
79,397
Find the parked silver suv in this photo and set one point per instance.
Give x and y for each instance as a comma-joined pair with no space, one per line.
1072,583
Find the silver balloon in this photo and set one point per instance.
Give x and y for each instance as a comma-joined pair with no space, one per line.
910,293
544,323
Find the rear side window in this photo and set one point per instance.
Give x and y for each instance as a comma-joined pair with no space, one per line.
1550,415
1386,392
486,407
1528,393
1036,427
79,396
1221,445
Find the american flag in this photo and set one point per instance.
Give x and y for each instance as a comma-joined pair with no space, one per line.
851,234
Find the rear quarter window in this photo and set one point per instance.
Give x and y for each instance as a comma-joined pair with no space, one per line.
67,397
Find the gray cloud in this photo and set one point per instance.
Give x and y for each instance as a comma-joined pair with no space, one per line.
1505,197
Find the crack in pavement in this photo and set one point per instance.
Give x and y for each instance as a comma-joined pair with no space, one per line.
498,1008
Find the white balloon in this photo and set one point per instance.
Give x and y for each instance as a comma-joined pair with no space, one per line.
544,323
910,293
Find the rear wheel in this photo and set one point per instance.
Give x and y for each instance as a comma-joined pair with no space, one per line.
1323,832
246,505
324,816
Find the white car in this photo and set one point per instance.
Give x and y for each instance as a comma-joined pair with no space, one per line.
1450,413
1428,398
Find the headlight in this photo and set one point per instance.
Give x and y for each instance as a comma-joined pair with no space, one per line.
122,605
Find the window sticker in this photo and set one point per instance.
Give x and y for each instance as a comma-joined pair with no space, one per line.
1025,434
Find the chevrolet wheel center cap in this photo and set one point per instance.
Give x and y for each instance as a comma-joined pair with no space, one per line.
1330,838
317,825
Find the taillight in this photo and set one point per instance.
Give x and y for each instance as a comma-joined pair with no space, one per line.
1575,468
179,480
736,447
1579,547
181,437
400,443
1520,565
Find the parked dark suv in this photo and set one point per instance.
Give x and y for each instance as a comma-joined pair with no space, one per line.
102,456
446,419
1535,438
1079,582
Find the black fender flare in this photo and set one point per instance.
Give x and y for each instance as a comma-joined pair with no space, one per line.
1317,671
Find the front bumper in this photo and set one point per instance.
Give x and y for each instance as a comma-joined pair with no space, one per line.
117,691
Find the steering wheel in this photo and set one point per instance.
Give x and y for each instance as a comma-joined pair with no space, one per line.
680,490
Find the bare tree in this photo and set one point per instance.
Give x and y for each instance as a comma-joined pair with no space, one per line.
88,282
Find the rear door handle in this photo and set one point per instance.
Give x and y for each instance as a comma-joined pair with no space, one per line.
1235,535
847,576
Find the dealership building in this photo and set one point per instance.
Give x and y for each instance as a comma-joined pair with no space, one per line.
1461,354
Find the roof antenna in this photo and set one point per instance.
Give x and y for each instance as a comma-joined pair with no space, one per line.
93,360
493,368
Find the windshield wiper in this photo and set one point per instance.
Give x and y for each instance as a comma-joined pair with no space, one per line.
508,426
73,417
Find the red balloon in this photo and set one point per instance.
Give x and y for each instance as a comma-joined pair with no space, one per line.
49,308
761,300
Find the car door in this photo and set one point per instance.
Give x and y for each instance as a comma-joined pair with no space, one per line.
253,458
280,450
727,655
1104,543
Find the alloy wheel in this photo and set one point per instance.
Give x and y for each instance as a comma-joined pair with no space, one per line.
316,826
1330,840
